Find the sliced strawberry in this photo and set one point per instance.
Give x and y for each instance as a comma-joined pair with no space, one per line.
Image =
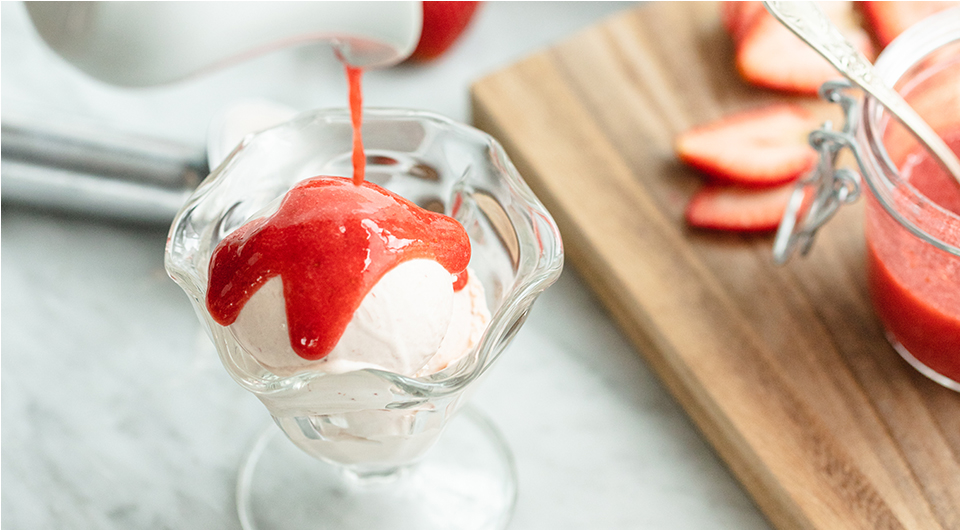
739,17
738,209
443,23
760,147
730,16
770,56
886,20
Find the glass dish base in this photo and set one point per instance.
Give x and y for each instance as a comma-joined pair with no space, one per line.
466,481
922,368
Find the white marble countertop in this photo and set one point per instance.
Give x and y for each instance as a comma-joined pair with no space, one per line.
117,414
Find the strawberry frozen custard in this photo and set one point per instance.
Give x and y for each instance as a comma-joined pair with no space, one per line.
345,276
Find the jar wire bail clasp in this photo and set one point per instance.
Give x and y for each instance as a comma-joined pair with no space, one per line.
818,196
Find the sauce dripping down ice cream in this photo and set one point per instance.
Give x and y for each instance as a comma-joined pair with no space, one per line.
330,242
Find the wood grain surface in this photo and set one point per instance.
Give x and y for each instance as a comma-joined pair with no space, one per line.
784,369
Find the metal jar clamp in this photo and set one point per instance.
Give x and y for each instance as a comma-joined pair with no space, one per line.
831,187
817,197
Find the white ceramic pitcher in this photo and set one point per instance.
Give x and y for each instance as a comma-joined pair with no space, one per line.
152,43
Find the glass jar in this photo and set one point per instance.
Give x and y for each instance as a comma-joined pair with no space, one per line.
912,224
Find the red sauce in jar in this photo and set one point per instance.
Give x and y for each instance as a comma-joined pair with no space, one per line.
916,286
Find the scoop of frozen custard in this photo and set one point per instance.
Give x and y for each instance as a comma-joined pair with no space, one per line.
345,277
398,327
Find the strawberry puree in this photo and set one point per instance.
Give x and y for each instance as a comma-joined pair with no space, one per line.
331,241
916,286
354,76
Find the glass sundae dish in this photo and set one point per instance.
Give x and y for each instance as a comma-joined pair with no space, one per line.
367,449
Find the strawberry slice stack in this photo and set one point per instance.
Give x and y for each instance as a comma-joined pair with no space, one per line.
750,160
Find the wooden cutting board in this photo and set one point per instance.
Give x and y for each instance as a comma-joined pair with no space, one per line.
784,369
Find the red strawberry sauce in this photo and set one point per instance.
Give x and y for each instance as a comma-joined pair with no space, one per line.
916,286
355,97
331,241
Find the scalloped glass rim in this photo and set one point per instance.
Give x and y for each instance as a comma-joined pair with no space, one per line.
539,264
